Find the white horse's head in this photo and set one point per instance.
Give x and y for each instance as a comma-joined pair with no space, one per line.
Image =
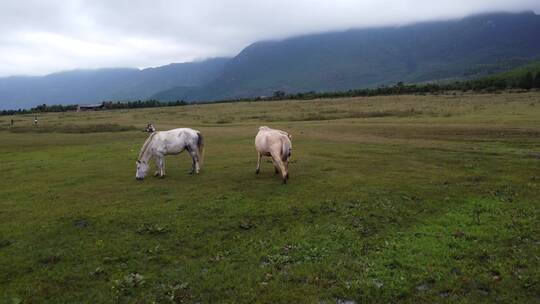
142,168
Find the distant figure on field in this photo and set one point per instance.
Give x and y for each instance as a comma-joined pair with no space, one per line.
150,128
12,122
35,121
276,144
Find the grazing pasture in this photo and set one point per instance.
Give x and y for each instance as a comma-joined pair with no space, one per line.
391,199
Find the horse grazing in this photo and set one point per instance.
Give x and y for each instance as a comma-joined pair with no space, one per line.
276,144
170,142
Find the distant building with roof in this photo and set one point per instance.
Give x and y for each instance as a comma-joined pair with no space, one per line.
91,107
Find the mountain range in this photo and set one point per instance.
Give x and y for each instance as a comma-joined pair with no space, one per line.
467,48
91,86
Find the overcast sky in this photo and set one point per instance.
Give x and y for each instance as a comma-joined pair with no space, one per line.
44,36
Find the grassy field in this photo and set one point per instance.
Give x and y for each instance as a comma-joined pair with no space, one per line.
401,199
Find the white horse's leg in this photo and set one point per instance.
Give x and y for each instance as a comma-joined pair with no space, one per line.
195,159
158,170
195,168
161,166
259,156
197,164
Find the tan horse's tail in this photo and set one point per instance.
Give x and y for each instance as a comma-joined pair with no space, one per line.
286,149
200,147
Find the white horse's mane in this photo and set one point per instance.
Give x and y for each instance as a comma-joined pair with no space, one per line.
146,144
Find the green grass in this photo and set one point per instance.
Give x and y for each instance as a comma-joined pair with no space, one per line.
71,128
391,199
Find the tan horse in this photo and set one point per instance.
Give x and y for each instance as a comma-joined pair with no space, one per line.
276,144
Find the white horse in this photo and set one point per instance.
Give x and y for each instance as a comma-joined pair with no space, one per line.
170,142
277,144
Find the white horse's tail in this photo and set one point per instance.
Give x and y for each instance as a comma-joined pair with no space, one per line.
200,147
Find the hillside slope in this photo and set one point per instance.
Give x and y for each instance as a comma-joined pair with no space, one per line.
471,47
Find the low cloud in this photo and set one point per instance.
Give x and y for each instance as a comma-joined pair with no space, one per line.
40,37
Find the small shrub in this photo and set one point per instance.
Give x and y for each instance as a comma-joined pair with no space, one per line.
5,243
152,229
295,254
477,211
224,121
173,293
50,259
129,282
97,272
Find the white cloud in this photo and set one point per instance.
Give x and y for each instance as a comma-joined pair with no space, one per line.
39,37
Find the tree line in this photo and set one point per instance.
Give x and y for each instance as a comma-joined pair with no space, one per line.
526,81
108,105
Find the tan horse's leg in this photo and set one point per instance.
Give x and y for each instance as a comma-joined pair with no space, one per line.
259,156
276,166
277,158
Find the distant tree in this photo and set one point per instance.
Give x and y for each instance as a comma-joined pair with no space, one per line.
500,84
526,82
536,82
279,95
